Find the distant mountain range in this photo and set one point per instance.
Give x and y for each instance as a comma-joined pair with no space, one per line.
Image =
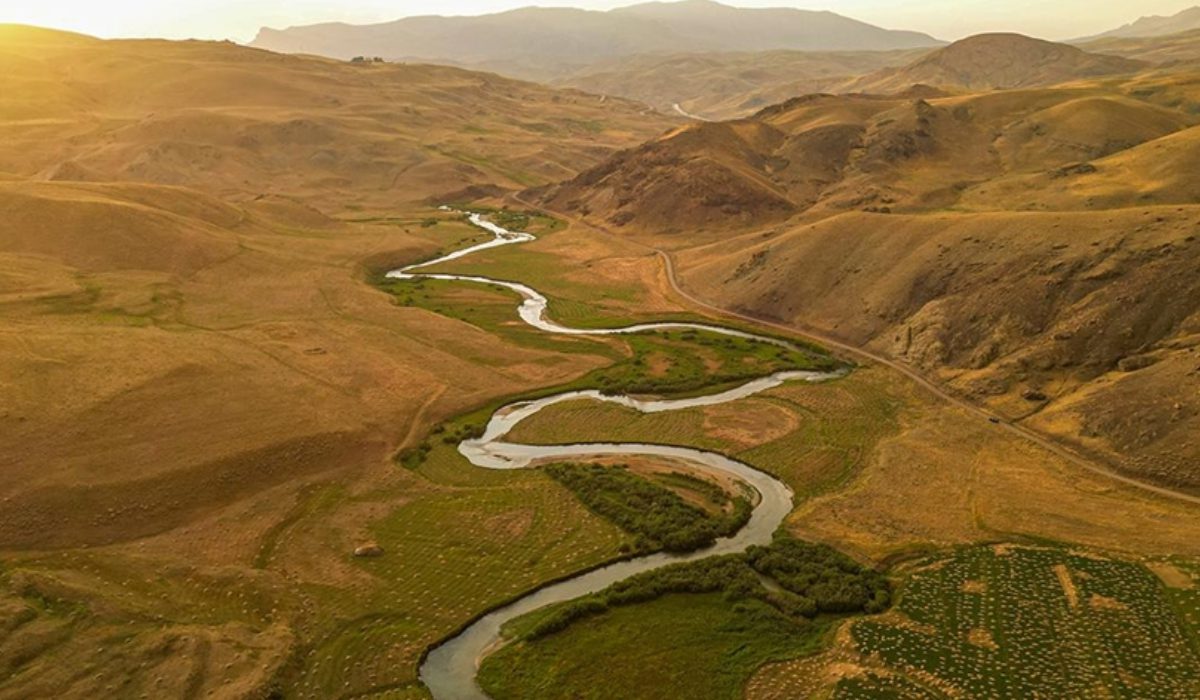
1154,25
731,84
725,85
546,43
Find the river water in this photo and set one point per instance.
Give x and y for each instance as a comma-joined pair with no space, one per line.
449,670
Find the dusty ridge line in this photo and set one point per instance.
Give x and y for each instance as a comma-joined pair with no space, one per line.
1020,431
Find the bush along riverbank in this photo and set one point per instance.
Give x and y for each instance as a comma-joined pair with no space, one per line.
799,579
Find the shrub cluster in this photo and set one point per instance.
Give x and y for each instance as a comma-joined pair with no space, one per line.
463,432
658,516
415,456
507,218
834,582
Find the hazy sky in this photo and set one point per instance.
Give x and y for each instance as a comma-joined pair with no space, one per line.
240,19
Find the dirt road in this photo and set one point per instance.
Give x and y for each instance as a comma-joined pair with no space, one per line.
862,354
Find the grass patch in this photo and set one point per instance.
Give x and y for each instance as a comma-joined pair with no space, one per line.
687,362
697,646
669,362
449,555
658,516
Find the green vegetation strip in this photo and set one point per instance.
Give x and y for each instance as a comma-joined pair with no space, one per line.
661,363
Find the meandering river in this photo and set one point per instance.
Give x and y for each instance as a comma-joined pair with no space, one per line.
449,670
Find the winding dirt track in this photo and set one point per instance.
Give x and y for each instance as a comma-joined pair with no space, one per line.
860,353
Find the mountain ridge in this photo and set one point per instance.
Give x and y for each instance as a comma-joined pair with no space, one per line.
1151,26
232,119
541,43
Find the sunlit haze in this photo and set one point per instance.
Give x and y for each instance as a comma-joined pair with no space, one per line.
239,19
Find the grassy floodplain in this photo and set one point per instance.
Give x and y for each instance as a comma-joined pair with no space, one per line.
735,612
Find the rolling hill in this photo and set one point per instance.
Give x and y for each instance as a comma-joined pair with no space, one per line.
239,121
549,43
191,350
907,152
1013,243
995,61
230,462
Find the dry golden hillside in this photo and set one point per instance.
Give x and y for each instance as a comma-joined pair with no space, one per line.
238,121
214,404
163,247
202,403
201,353
1033,248
1087,324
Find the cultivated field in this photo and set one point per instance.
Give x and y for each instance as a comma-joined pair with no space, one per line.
1009,621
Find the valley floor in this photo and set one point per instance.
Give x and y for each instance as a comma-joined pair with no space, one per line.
254,587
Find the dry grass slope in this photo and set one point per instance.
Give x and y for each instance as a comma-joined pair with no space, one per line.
1033,248
244,122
